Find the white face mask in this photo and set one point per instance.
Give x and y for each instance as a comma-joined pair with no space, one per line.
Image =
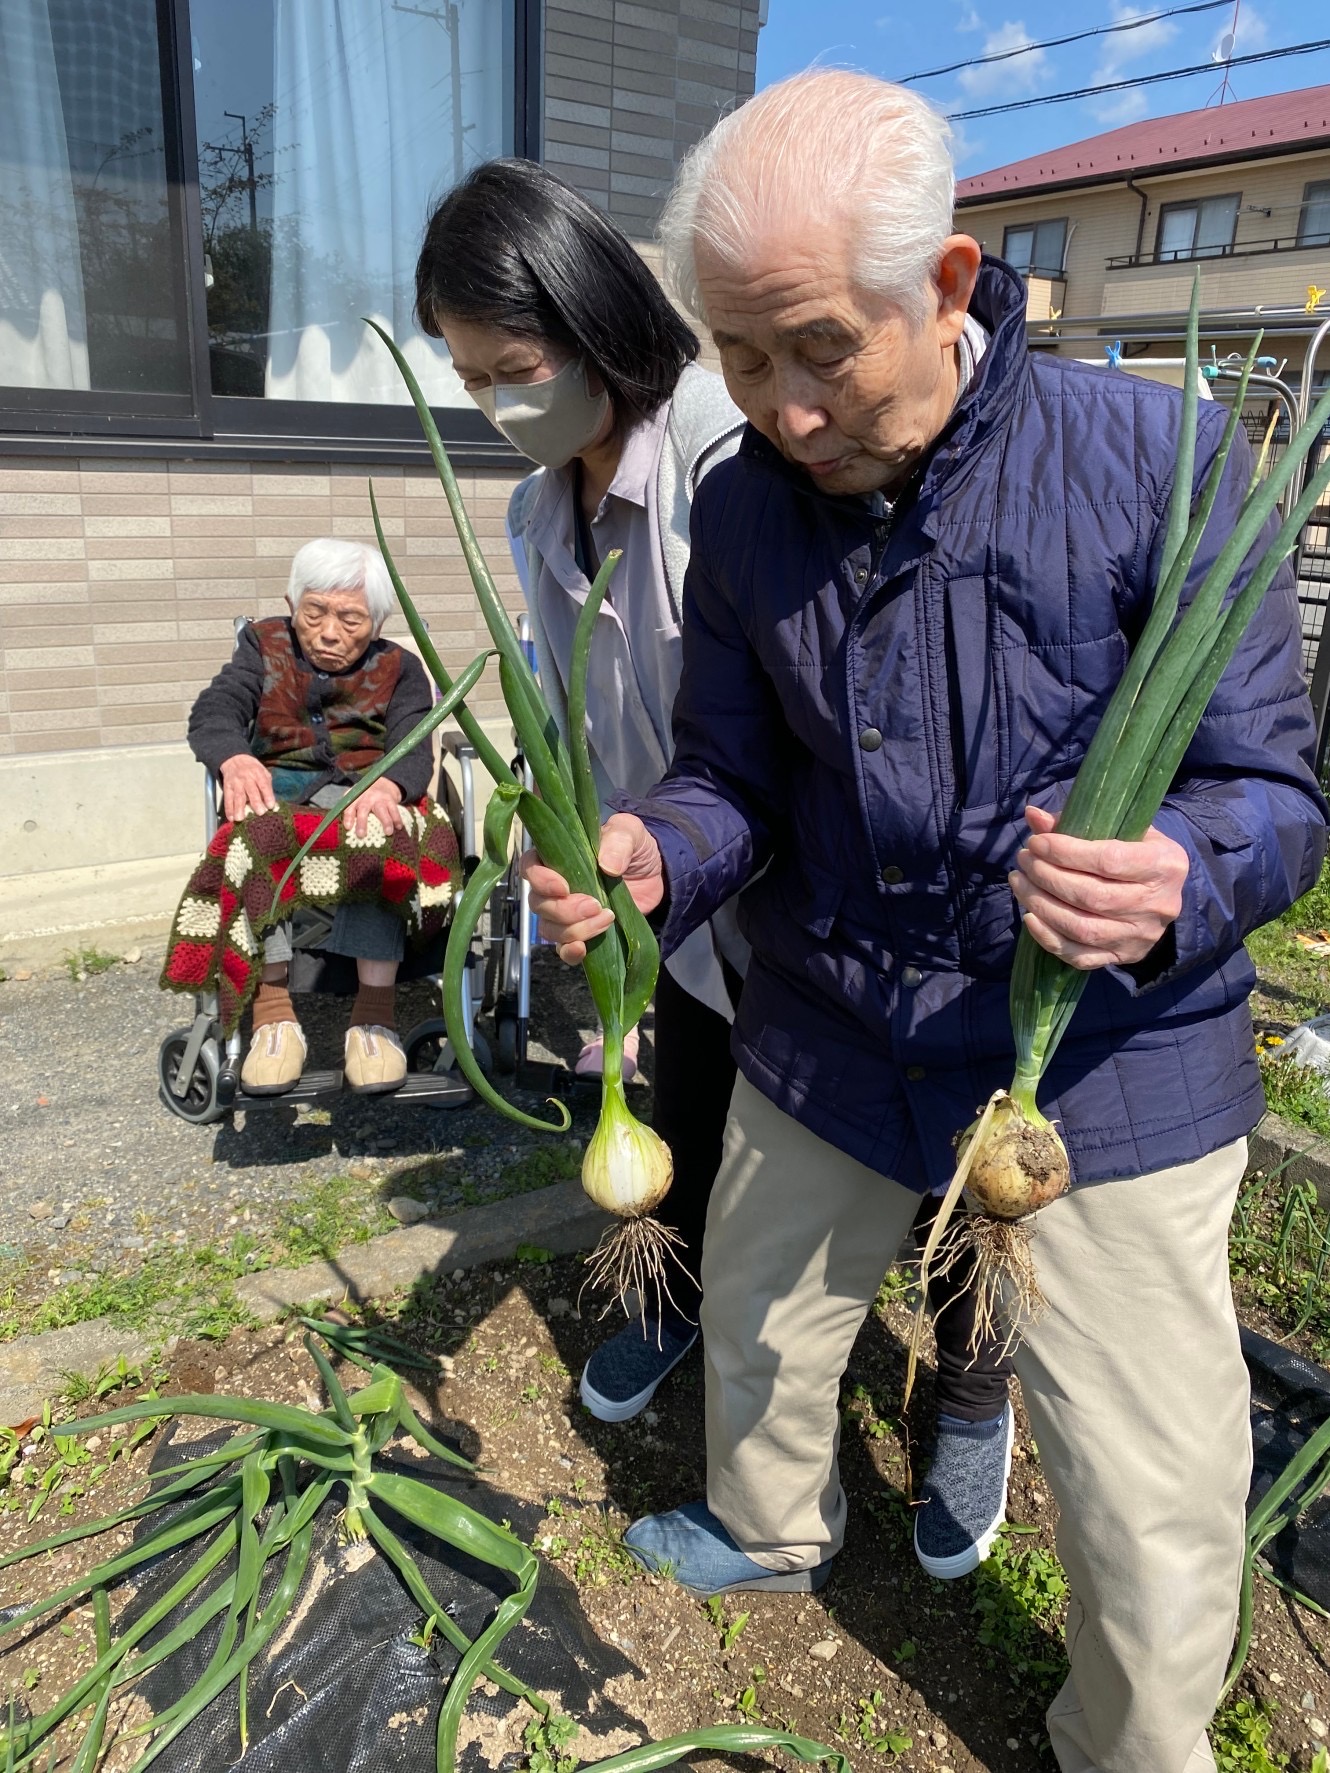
550,421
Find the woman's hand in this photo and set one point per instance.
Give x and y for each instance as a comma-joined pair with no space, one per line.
1097,904
570,919
382,798
246,786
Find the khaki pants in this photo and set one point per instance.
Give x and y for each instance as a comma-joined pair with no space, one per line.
1133,1380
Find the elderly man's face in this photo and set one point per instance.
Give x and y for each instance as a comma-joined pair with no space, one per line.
333,627
832,374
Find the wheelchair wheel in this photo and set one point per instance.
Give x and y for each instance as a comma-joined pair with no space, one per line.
199,1104
505,1042
425,1043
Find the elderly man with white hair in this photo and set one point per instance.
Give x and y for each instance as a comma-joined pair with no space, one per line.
910,596
305,705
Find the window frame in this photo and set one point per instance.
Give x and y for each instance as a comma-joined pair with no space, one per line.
1322,189
1194,204
1033,269
200,423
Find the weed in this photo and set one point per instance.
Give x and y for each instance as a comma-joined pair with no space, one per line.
745,1701
85,963
1312,910
112,1376
194,1287
329,1216
545,1739
1020,1594
558,1161
870,1728
600,1558
1295,1092
1279,1252
530,1394
897,1287
861,1411
534,1255
1240,1735
730,1632
58,1465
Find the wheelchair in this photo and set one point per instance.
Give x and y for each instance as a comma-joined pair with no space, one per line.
198,1067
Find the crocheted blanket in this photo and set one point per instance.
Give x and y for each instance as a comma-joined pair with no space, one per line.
216,937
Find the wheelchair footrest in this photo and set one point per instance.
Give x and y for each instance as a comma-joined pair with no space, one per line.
422,1089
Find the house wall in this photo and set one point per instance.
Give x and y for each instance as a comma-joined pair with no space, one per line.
1103,222
120,578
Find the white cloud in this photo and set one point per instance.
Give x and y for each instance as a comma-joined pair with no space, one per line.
1124,47
970,20
1117,108
968,151
1253,33
1016,74
1116,56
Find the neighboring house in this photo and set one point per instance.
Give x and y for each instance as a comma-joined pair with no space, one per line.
199,200
1110,232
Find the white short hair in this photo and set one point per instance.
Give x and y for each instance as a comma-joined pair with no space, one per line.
330,563
826,142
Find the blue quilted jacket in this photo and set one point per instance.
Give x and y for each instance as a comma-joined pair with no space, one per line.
868,704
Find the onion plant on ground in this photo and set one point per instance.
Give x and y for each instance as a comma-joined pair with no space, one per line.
246,1512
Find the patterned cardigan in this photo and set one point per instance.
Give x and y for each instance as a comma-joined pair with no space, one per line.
269,701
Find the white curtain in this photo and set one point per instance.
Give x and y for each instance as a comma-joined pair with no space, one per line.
43,328
380,107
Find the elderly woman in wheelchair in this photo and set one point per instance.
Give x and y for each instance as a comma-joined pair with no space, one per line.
307,703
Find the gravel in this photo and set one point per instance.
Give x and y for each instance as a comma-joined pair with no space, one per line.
94,1170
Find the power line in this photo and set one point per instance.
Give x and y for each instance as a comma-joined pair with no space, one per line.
1005,55
1058,98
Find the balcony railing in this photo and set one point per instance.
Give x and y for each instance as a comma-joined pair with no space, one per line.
1240,250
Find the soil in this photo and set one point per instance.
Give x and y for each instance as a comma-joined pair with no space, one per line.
884,1653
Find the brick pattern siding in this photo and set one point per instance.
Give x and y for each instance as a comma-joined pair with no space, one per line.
119,581
630,86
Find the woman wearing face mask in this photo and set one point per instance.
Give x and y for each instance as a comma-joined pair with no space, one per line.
567,343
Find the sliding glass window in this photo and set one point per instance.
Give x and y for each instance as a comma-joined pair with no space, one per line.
202,200
92,295
325,130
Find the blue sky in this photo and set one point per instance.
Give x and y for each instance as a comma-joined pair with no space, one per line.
899,37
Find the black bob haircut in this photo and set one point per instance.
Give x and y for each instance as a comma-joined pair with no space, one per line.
515,248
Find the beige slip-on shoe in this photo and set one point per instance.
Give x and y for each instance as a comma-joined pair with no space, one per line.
275,1059
375,1062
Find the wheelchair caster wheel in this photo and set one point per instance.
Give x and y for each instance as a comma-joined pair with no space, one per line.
505,1044
426,1043
200,1103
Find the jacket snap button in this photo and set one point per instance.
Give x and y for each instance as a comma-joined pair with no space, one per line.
911,976
914,1073
893,875
861,575
870,739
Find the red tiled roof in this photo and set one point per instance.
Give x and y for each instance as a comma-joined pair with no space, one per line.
1223,132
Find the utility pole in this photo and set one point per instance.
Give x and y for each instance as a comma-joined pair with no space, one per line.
247,148
451,20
